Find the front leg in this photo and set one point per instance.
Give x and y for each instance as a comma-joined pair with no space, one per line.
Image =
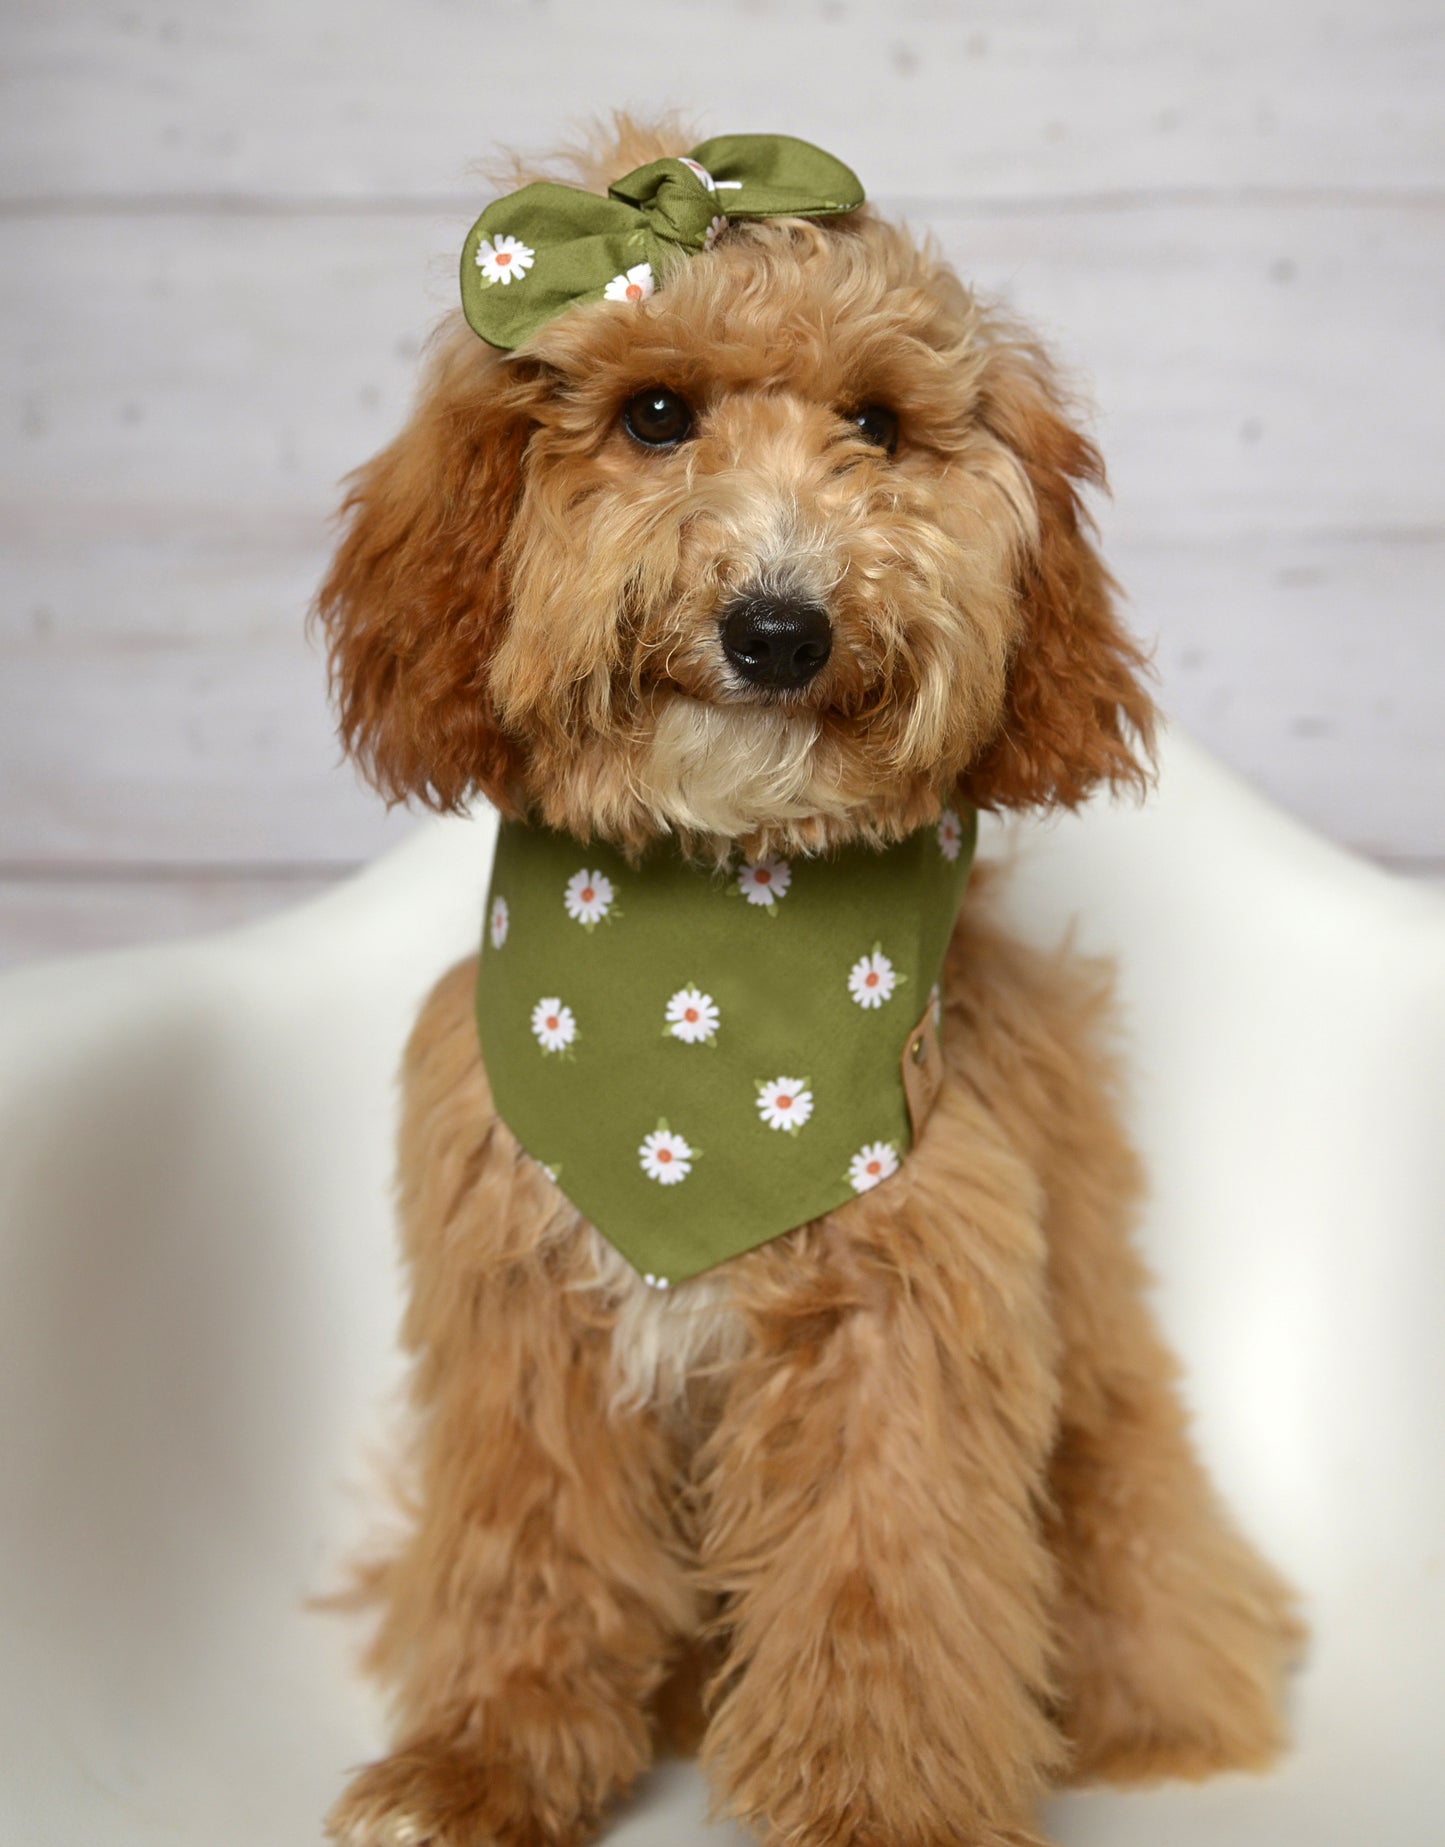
528,1619
870,1514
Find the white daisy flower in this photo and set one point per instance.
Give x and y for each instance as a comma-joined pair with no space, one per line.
786,1103
588,897
696,166
950,834
692,1016
873,1162
871,980
554,1025
500,922
654,1282
935,1001
714,231
666,1158
764,881
504,259
636,285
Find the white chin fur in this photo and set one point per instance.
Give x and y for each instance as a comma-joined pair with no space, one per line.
730,769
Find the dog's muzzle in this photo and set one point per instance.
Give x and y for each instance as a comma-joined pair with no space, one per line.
776,642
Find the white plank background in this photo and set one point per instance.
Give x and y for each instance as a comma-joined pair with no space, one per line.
224,232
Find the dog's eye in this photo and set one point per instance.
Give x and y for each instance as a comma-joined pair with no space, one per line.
878,425
657,417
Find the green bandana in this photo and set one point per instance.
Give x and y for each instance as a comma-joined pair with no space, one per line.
705,1060
539,250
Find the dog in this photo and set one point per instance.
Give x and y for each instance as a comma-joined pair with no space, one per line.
894,1516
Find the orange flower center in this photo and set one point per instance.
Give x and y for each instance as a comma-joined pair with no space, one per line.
504,256
874,1167
664,1154
587,894
763,876
691,1016
634,291
871,978
552,1022
785,1102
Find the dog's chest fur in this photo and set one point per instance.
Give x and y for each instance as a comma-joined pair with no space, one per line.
663,1338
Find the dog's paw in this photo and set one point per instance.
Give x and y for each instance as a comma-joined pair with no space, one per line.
978,1834
1186,1699
436,1796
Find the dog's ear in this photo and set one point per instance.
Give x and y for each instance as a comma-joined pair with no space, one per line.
1075,713
416,597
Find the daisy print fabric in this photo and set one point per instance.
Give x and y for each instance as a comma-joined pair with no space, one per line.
636,285
554,1025
872,979
501,920
950,835
708,1056
692,1016
504,259
873,1162
785,1103
666,1158
765,881
588,898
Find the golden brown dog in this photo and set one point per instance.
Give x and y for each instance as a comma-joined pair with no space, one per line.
897,1514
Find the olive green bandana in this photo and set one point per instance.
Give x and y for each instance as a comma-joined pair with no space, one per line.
537,251
703,1060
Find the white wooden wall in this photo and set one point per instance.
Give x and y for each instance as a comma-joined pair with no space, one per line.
225,229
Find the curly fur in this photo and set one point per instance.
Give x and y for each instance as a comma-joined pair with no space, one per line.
897,1516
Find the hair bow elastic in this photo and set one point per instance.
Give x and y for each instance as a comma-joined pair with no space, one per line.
538,251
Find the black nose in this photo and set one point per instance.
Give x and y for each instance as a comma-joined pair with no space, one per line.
776,642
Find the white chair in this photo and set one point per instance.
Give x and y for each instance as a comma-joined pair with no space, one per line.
199,1299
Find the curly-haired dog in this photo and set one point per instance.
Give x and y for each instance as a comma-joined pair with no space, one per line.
895,1513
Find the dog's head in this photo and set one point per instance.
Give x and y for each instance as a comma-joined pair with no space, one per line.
791,552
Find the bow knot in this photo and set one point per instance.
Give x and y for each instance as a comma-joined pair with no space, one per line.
536,252
677,197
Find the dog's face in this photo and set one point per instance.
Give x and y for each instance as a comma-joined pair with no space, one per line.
788,553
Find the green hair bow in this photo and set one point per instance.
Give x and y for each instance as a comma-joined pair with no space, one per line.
536,252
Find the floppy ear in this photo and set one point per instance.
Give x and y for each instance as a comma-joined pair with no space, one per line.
1075,711
416,596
